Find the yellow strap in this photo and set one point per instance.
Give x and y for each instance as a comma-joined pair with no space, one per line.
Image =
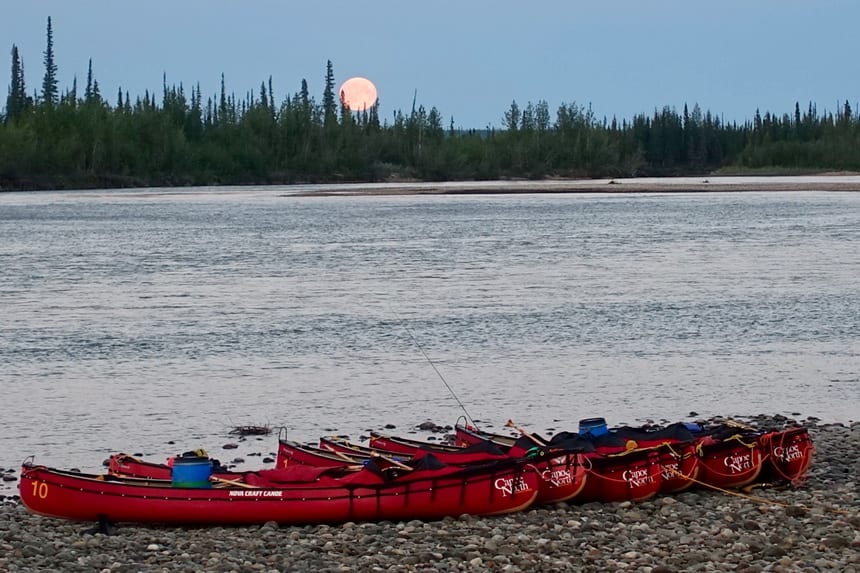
738,438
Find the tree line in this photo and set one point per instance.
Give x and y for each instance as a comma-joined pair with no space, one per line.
53,139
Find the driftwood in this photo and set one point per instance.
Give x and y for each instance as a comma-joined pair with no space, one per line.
251,431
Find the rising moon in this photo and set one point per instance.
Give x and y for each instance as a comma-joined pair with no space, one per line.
358,93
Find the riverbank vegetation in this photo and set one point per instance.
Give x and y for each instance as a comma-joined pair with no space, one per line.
80,137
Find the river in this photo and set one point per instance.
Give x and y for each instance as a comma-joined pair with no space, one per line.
132,319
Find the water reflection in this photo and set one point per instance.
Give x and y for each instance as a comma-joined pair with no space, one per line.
136,318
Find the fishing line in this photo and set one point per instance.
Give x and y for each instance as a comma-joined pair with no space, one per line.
448,386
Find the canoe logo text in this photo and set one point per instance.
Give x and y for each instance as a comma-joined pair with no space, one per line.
670,470
509,486
637,477
256,493
738,463
557,478
788,454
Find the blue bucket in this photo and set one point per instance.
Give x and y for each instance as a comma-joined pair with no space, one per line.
593,427
191,472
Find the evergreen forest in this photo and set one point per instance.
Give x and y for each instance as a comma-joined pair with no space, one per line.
79,137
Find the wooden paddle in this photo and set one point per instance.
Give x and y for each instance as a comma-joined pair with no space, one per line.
226,482
740,425
392,461
341,455
510,424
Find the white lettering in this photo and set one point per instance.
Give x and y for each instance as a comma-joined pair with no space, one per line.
256,493
670,470
510,485
738,463
557,477
788,454
637,477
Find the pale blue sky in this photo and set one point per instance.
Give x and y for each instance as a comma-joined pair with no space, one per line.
468,58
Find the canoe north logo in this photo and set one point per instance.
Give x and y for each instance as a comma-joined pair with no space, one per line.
788,454
557,477
737,463
637,477
509,486
670,470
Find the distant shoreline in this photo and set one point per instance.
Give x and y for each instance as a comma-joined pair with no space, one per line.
838,182
721,184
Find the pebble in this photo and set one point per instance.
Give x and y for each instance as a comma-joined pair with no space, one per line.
813,528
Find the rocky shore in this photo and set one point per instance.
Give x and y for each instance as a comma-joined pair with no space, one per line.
813,528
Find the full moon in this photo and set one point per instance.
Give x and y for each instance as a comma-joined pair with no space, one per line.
358,93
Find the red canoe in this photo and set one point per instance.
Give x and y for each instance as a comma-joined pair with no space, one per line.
563,471
788,455
563,475
679,465
732,462
633,475
341,453
124,465
675,446
297,496
342,445
407,445
449,455
725,456
292,453
611,474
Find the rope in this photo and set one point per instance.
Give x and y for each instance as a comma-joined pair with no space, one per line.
755,498
739,439
680,458
634,449
591,470
602,476
700,446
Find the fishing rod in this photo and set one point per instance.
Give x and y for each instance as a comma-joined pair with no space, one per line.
439,374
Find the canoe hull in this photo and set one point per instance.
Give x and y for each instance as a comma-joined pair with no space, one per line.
788,455
124,465
731,463
293,453
633,476
83,497
562,476
679,465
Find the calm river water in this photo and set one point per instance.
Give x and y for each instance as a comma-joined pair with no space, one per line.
133,318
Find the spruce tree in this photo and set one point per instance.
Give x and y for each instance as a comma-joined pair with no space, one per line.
49,83
88,91
329,105
222,102
264,98
305,95
16,100
71,97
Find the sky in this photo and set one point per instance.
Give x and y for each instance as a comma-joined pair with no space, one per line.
470,59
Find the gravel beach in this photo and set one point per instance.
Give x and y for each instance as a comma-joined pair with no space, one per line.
814,528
